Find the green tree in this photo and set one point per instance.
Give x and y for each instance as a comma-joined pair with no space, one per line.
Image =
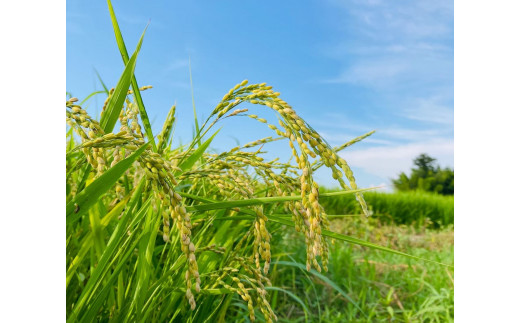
426,176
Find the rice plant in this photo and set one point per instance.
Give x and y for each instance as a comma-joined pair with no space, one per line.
162,233
401,207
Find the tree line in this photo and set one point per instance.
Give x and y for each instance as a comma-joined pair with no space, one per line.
427,176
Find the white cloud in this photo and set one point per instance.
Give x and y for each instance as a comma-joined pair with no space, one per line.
388,161
373,73
177,64
405,134
389,45
406,19
430,110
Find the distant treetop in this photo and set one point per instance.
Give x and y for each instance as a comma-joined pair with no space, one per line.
427,177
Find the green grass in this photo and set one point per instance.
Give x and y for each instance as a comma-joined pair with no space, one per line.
417,208
375,286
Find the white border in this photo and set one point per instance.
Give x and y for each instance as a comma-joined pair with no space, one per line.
487,101
487,159
32,161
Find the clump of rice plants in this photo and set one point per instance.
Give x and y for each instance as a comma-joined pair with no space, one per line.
401,207
163,233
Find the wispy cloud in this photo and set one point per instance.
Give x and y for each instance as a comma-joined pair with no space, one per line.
415,19
399,134
371,73
388,44
178,63
402,54
389,161
430,110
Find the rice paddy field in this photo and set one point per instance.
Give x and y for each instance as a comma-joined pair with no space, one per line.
163,233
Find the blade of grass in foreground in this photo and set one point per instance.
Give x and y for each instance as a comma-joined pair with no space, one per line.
112,249
264,200
86,244
139,100
102,83
190,161
116,101
90,95
86,198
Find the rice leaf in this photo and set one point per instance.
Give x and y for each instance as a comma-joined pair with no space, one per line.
102,83
91,95
190,161
86,198
139,100
86,244
115,104
263,200
119,247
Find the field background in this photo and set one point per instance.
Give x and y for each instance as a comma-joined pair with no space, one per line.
364,285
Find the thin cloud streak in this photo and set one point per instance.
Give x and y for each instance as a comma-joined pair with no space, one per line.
387,162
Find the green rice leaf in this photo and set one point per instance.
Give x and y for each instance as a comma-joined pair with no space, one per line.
116,101
112,250
190,161
86,244
263,200
86,198
91,95
102,83
139,100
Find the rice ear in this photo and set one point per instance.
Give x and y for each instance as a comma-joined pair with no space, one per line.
164,136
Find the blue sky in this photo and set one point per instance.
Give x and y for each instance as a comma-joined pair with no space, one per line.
346,67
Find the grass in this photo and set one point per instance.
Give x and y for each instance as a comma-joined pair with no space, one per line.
418,208
380,287
159,233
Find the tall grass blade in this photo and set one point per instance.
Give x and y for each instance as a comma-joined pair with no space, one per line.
190,161
86,198
112,249
102,83
116,101
263,200
90,95
124,54
86,244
